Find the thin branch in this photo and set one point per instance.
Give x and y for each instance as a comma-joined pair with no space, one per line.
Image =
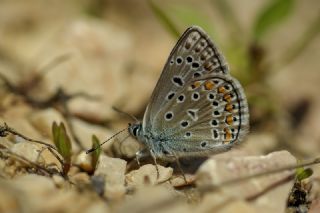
53,63
5,130
57,156
270,187
21,158
210,188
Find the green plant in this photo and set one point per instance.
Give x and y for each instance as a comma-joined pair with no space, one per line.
96,153
272,15
302,173
63,144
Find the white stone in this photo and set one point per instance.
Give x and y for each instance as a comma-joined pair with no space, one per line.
113,170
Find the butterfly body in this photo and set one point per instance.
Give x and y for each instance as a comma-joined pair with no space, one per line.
196,108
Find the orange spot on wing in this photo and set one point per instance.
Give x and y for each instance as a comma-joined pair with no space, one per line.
229,108
227,135
227,98
208,85
221,90
229,119
196,85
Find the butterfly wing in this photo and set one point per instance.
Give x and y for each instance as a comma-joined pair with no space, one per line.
212,117
193,55
195,99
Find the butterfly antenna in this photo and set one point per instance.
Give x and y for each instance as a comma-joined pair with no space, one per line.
97,147
125,113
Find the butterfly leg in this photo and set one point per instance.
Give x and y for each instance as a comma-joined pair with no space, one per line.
179,166
141,154
155,162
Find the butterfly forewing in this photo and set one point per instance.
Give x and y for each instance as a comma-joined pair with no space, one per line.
193,56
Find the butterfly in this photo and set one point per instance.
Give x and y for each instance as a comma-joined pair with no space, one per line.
197,108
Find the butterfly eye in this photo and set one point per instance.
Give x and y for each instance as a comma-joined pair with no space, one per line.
135,130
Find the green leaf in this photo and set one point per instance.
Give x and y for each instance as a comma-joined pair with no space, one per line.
55,134
302,173
272,15
63,144
306,38
225,10
164,18
96,153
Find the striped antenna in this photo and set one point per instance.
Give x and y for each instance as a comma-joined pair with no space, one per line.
95,148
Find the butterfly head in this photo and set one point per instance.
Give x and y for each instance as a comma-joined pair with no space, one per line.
135,129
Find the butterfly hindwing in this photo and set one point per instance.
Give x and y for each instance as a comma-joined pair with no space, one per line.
213,115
